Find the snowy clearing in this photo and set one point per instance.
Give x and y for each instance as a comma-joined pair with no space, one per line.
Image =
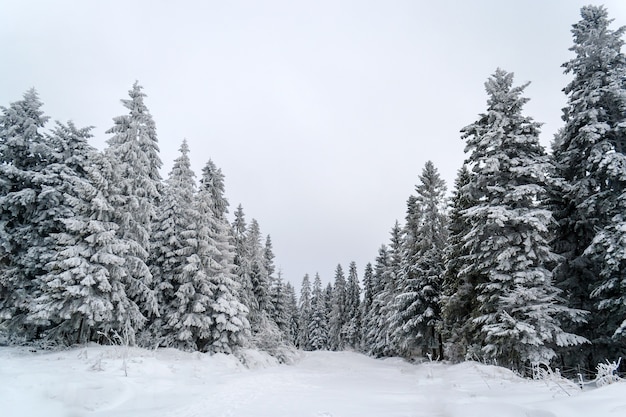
91,382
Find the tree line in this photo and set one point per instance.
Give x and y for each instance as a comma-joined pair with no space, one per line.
96,246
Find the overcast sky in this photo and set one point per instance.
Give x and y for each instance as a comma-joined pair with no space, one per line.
321,114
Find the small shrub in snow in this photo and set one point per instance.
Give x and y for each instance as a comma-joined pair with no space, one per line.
542,372
607,373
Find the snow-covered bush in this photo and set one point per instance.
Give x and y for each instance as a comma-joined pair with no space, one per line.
270,339
607,373
543,372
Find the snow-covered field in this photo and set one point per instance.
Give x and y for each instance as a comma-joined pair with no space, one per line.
92,381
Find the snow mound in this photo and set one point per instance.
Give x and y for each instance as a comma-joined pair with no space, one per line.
254,359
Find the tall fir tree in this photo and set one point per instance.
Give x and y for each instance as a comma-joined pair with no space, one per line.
328,301
279,299
458,292
24,154
77,298
589,155
519,312
390,281
318,326
135,190
353,309
369,289
270,270
336,335
377,335
173,239
292,313
417,303
183,280
243,268
259,278
230,328
305,311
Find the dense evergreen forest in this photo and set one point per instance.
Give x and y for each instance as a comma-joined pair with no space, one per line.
524,263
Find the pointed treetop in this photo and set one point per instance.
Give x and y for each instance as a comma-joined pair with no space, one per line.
181,176
503,97
213,181
21,143
184,147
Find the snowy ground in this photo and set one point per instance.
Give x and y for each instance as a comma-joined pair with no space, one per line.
91,382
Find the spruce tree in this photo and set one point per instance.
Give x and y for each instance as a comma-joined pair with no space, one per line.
328,302
77,297
353,309
174,240
259,278
292,313
388,273
318,327
519,313
377,321
458,291
369,288
230,328
305,310
24,154
97,241
270,269
187,259
243,268
279,298
336,335
134,185
589,155
417,303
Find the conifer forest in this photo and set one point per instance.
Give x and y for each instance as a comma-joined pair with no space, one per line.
521,261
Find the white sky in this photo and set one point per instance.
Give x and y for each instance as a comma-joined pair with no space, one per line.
321,114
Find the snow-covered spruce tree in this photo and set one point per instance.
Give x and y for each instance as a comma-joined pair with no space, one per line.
81,288
239,230
375,338
589,154
259,277
266,333
369,288
352,327
230,327
24,153
270,269
183,286
390,285
458,292
134,188
173,241
385,281
292,313
519,311
280,313
304,316
86,282
336,337
328,302
417,303
318,327
250,264
252,275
